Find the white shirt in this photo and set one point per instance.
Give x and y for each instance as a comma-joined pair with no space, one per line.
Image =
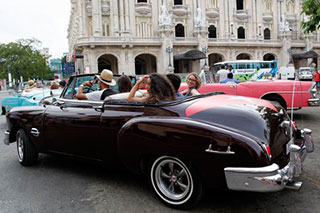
95,96
223,74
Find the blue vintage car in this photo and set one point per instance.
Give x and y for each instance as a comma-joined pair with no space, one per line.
31,98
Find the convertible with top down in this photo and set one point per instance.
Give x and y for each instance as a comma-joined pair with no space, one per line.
183,146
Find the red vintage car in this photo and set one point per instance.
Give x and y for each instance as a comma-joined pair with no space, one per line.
288,94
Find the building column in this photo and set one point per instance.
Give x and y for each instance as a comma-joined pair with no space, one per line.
121,7
127,15
166,33
96,17
82,18
114,18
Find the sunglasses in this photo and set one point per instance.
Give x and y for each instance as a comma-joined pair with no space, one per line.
193,80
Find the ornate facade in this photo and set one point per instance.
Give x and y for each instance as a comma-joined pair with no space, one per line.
144,36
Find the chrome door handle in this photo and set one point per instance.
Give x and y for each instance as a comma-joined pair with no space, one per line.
35,132
227,152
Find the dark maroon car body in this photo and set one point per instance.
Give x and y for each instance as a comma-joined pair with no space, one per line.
215,138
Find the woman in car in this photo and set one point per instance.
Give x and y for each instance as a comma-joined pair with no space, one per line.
194,83
158,89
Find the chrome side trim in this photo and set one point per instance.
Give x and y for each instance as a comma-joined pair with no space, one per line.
227,152
6,137
35,132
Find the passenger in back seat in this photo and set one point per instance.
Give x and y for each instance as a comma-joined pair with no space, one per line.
124,84
158,86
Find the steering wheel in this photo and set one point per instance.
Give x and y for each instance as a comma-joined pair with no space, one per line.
87,89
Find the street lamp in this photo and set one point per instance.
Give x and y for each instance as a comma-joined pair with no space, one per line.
169,50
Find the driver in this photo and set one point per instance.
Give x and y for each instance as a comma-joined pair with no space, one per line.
105,81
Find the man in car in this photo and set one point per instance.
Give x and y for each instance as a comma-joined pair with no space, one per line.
105,80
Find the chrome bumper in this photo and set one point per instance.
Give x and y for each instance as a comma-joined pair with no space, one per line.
271,178
6,137
314,101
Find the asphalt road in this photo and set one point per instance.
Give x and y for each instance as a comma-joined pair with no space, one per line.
59,184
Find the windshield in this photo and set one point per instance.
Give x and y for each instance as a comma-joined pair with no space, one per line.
75,81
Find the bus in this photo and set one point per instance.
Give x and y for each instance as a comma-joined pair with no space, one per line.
246,70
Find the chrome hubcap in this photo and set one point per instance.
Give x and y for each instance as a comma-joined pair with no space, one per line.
20,147
172,179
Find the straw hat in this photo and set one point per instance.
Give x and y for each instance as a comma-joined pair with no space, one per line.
31,83
106,77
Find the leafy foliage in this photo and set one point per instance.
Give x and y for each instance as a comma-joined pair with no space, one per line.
311,8
24,59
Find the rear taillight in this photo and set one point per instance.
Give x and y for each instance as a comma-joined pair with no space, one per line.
267,148
294,124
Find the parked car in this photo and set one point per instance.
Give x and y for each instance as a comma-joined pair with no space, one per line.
183,146
288,94
31,98
305,73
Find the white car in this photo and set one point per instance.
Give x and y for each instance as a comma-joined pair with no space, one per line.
286,73
305,73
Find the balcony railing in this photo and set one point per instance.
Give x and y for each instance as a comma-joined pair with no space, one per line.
267,16
212,12
241,14
291,18
179,10
118,41
143,8
182,41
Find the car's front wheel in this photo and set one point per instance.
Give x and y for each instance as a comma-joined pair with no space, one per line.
27,154
175,183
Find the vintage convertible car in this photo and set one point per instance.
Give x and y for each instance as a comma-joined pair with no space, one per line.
183,146
31,98
288,94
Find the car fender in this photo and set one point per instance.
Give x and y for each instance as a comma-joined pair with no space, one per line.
188,140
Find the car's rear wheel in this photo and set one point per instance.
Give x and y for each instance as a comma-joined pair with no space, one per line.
27,154
176,184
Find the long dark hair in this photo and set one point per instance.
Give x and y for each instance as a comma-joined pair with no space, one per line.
124,84
160,89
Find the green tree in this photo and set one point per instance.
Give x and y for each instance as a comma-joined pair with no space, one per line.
311,8
24,59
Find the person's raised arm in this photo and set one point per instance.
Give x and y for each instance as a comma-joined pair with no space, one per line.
135,88
80,95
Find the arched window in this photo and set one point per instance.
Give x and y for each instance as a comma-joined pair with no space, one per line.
243,56
178,2
268,57
266,34
179,30
212,31
241,33
240,5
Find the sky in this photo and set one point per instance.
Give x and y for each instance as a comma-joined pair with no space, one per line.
44,20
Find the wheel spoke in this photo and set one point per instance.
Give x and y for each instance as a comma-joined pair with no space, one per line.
171,167
171,187
164,175
181,173
183,187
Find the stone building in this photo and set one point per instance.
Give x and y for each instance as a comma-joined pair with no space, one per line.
144,36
